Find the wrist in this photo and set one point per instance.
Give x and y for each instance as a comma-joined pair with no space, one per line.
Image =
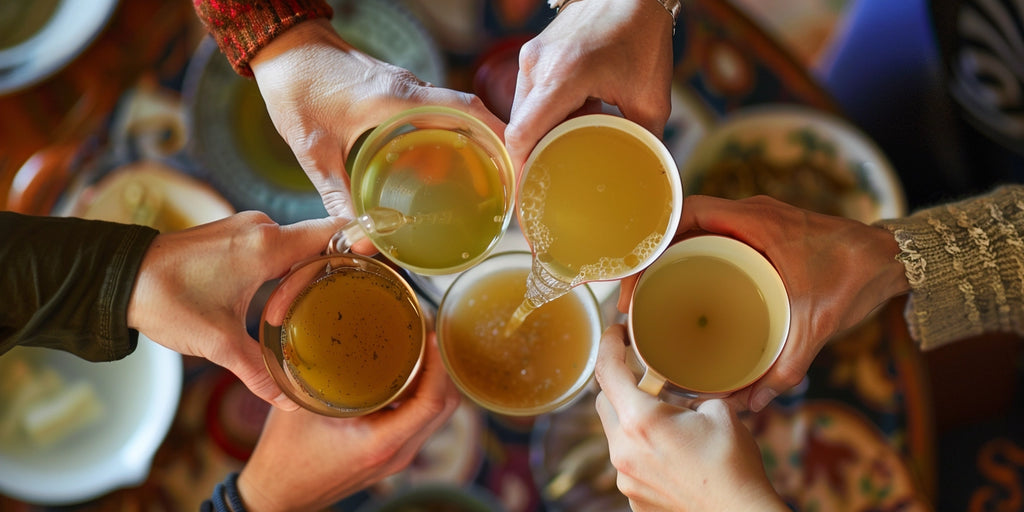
672,7
892,272
252,495
143,286
315,33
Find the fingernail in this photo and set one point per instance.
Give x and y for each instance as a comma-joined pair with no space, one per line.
762,398
284,403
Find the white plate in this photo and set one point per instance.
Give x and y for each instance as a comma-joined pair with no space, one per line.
67,32
139,395
164,198
778,139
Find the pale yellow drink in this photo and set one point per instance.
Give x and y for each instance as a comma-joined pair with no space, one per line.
701,322
452,194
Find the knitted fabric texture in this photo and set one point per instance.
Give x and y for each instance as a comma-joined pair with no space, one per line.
243,27
965,265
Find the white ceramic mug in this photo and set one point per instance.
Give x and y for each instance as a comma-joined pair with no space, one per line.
710,316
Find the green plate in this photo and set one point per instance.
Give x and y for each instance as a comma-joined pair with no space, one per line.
234,142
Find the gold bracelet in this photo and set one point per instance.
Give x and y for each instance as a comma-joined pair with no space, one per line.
672,6
558,5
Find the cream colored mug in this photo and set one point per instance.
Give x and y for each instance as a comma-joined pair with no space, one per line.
708,317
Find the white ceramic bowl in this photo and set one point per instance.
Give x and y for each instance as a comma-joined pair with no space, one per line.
139,395
797,154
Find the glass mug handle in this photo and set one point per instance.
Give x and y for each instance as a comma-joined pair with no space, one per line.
376,221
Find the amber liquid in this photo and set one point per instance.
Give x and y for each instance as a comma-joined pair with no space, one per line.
594,205
451,189
352,338
538,365
701,322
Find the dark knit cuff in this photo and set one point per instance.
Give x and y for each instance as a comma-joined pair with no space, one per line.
225,497
242,28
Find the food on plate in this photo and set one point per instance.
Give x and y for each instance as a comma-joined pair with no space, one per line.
40,406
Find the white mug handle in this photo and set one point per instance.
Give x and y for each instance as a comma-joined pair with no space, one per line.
651,383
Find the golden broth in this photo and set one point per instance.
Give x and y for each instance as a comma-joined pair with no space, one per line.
537,365
595,203
352,338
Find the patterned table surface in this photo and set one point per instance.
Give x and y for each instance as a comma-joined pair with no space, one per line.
856,436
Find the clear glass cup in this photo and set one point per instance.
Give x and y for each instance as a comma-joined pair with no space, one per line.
542,366
343,335
433,189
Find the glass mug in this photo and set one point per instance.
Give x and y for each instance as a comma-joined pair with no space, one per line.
343,335
710,316
599,199
433,189
542,366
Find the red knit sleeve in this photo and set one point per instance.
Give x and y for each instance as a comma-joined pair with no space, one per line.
242,27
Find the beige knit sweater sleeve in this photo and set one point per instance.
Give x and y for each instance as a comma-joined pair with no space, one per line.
965,264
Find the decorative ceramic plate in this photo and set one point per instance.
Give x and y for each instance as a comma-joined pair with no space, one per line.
569,461
234,140
39,37
799,155
452,455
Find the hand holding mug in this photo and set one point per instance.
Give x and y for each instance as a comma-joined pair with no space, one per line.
836,271
672,458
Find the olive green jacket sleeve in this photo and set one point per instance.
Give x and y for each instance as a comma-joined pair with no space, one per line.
66,283
965,264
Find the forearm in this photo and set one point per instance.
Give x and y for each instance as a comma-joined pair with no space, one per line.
67,283
241,28
965,264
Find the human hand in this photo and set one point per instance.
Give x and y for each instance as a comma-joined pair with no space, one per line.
322,95
836,271
672,458
609,50
194,287
304,461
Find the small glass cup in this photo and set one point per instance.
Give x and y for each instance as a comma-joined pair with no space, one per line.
433,189
343,335
710,316
542,366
